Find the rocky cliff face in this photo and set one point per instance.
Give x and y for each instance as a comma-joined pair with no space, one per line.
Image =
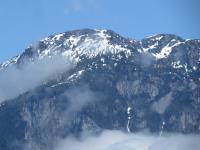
112,83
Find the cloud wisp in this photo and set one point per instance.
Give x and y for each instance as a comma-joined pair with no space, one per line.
75,6
15,80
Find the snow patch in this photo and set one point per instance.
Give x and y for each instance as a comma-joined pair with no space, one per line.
155,37
58,36
75,75
73,41
165,51
162,128
177,64
150,47
102,60
129,119
194,68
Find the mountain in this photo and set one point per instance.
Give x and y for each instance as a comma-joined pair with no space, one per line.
108,82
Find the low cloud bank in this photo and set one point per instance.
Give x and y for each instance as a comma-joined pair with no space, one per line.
117,140
14,81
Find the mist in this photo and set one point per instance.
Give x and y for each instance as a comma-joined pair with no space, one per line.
80,97
15,80
117,140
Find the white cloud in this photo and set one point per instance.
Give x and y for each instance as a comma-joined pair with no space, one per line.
14,80
117,140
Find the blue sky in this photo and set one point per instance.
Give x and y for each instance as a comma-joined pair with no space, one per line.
26,21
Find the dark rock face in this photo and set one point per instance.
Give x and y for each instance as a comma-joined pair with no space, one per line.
117,83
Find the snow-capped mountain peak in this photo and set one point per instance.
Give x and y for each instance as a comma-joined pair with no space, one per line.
76,44
88,43
113,83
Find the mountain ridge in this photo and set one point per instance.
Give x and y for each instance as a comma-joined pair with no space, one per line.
111,83
102,32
